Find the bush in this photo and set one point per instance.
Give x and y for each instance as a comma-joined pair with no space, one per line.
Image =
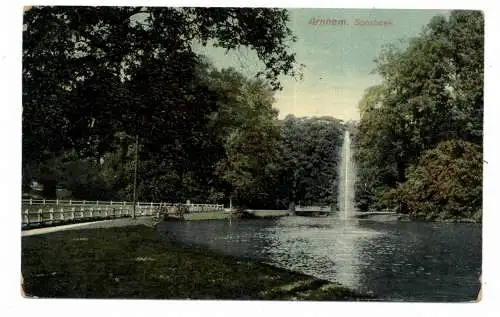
446,183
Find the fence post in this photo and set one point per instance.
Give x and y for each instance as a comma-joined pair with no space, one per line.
57,202
27,215
31,201
73,213
62,213
40,215
151,209
44,202
51,212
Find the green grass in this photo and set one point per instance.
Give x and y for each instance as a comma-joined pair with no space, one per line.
271,213
206,215
259,214
134,262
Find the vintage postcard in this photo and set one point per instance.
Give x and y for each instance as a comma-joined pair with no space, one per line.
232,153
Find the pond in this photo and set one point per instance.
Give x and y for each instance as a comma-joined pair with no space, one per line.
397,261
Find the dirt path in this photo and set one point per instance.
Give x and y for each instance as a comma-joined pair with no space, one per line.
95,224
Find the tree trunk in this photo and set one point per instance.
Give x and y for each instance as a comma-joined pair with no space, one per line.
49,189
293,194
401,173
26,182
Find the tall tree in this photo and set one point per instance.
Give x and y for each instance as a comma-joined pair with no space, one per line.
311,151
446,183
431,93
78,62
247,129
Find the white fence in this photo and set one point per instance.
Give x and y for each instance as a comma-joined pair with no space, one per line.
43,211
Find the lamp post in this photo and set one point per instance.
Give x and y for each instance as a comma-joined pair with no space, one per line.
135,175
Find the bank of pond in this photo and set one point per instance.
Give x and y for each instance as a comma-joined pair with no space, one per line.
135,262
307,258
271,214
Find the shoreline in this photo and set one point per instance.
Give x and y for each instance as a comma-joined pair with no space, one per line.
217,215
386,217
136,262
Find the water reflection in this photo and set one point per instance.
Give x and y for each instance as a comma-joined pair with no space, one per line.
348,248
394,260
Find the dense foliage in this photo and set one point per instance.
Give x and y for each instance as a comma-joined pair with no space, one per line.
311,155
97,79
428,106
446,182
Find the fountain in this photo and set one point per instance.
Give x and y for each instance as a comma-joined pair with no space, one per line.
346,184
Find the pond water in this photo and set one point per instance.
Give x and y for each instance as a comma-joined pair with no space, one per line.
397,261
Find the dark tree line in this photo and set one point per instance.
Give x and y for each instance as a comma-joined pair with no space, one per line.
419,142
95,79
311,153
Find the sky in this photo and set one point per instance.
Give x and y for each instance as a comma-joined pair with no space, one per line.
338,57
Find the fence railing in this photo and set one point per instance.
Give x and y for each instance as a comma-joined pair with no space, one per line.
42,211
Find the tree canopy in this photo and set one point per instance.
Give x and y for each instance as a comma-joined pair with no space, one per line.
446,182
311,153
97,78
92,72
432,92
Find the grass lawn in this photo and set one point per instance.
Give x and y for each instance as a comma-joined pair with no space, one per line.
225,215
134,262
206,215
271,213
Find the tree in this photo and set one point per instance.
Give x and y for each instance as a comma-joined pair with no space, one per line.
436,82
446,183
380,143
246,126
372,99
79,65
311,152
431,93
